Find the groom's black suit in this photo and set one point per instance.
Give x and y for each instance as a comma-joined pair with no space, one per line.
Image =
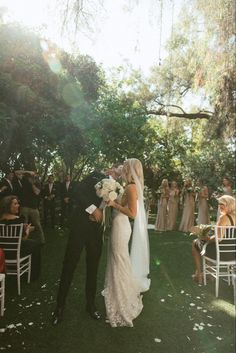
87,234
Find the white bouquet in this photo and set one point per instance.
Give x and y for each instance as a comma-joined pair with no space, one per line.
108,190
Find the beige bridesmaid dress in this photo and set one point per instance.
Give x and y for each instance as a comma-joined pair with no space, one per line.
203,211
161,220
173,204
187,220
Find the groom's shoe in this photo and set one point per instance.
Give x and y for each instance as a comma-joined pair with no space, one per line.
57,316
93,313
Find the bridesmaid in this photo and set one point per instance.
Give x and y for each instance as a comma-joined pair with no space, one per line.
202,197
173,206
161,221
188,195
226,189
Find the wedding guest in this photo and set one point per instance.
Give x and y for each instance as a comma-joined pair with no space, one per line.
6,185
173,204
30,202
17,185
187,195
227,205
67,195
202,195
50,192
9,214
161,220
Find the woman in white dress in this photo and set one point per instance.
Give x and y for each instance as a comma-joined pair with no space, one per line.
126,274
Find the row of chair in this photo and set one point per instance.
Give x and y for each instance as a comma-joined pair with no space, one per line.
11,237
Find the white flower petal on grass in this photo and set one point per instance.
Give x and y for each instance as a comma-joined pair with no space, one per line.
30,323
38,303
44,285
198,297
19,324
201,327
2,330
169,295
209,325
11,326
195,328
192,304
188,338
182,291
157,340
205,311
210,317
162,300
219,338
202,324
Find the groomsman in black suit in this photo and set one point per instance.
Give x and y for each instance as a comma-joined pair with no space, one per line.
49,196
85,232
67,195
6,185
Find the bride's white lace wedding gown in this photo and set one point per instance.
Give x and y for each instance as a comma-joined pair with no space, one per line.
122,291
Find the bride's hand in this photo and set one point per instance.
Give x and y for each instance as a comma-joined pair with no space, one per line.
110,203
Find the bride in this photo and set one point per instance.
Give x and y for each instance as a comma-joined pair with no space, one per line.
126,274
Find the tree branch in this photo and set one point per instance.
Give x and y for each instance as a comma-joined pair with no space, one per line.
192,116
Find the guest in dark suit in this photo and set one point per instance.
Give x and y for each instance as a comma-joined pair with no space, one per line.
85,232
6,185
67,195
50,192
17,185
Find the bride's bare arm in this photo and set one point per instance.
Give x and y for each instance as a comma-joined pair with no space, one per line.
131,209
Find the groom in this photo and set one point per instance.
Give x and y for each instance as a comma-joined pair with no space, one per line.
85,232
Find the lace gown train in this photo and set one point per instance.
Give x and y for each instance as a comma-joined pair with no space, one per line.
122,295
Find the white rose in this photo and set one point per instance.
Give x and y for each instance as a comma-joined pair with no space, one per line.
113,195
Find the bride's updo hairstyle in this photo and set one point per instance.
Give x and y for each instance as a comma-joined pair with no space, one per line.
131,166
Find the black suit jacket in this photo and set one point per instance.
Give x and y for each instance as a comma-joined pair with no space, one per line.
67,193
47,193
84,197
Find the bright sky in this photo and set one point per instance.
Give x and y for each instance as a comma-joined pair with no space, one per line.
121,34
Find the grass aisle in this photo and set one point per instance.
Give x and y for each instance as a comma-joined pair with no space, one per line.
178,317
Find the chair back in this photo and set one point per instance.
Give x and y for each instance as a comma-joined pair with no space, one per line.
225,243
10,239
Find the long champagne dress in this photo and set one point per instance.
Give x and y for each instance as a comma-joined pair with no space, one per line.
187,220
203,211
172,207
161,220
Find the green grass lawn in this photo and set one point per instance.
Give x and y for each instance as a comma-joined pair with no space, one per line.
178,316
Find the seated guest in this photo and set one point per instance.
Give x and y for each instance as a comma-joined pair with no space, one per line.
227,205
9,209
49,197
6,185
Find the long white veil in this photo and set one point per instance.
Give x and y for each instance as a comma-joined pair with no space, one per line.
140,253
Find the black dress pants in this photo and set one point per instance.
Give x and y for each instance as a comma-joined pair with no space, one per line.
89,238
